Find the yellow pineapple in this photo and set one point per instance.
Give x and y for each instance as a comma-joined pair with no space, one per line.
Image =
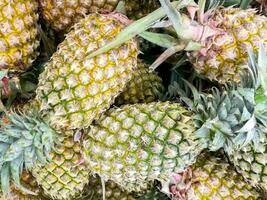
225,54
212,178
75,89
136,144
63,14
19,34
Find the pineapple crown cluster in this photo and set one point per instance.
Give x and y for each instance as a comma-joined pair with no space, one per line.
93,103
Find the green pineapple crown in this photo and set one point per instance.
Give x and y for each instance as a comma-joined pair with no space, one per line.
232,117
223,117
24,139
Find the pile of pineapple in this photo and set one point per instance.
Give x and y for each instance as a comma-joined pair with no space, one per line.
133,100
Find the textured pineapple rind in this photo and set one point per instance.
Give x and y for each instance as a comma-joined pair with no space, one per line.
251,162
213,178
75,89
19,34
136,144
62,14
226,53
144,87
64,176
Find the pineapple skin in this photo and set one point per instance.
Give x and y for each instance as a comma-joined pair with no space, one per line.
251,162
63,14
19,35
137,144
144,87
74,89
214,178
226,53
65,175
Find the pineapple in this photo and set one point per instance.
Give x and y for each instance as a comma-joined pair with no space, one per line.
140,8
225,54
137,144
19,34
75,89
62,14
217,42
212,178
65,175
145,87
61,175
225,35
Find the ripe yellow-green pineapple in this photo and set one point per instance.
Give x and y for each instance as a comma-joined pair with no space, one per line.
137,144
19,35
140,8
144,87
75,89
225,54
212,178
62,14
65,175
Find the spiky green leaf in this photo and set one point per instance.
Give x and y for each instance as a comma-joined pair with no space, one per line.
160,39
5,178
